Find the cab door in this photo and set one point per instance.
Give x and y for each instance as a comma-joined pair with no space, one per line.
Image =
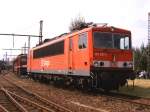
70,56
81,55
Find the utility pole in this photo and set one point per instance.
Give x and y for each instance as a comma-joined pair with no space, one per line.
29,38
24,48
148,57
6,57
13,41
41,32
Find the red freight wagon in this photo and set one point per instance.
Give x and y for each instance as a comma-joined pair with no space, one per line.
97,56
20,64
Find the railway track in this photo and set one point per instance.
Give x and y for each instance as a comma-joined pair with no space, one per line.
140,101
32,101
8,103
132,99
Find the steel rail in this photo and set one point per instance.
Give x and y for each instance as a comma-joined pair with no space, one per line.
50,103
125,98
3,109
27,101
19,106
133,101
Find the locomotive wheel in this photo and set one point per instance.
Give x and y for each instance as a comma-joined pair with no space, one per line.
123,82
85,83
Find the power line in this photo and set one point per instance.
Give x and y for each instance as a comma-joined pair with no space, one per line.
29,36
11,49
12,34
24,35
12,55
40,33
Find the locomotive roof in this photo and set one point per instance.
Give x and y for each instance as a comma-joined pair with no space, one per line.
66,35
22,55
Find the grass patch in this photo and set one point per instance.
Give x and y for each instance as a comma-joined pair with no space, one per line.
142,88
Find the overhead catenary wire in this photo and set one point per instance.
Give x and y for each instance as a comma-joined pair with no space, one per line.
12,34
25,35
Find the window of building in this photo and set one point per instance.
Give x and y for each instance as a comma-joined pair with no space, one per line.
82,42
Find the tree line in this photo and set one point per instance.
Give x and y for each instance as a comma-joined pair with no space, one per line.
141,58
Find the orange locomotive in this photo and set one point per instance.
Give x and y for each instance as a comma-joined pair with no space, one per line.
20,64
97,56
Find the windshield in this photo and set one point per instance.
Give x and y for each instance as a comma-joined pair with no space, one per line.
23,61
109,40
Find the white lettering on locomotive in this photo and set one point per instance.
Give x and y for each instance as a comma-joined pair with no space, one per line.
45,63
100,54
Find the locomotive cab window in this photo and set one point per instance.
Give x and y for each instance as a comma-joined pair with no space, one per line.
103,40
121,41
23,60
111,40
127,43
82,42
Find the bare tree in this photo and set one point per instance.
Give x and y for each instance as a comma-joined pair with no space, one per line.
78,23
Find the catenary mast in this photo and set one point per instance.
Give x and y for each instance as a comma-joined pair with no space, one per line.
148,42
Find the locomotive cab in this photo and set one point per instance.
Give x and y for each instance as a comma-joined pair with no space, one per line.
112,62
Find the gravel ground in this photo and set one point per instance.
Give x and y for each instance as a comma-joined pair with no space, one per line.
76,100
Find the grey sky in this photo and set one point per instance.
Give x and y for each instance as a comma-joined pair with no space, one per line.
23,16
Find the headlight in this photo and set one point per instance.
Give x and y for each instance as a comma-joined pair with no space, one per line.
96,64
101,63
125,64
130,64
